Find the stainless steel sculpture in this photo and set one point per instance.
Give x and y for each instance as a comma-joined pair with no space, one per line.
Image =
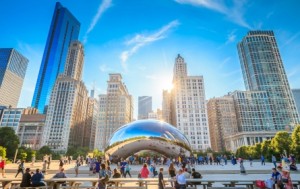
147,135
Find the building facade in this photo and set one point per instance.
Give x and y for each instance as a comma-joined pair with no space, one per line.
296,94
155,115
166,106
31,129
115,110
188,107
64,28
263,70
13,66
222,121
91,122
145,106
66,115
11,118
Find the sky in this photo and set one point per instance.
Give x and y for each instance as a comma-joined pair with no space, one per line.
141,39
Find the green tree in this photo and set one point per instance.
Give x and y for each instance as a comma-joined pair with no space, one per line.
281,142
9,140
243,152
2,152
75,152
267,150
43,151
295,147
97,153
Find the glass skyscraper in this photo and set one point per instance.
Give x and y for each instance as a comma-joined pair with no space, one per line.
263,70
13,66
145,106
64,29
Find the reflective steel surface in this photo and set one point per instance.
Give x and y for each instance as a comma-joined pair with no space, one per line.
147,135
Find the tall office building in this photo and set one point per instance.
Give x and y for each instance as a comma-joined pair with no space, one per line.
91,122
145,106
222,121
296,94
66,115
13,67
188,107
263,70
116,110
64,28
166,106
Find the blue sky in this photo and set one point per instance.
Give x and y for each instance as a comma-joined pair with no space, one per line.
141,38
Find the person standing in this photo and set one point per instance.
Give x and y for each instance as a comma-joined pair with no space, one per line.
172,173
26,179
144,171
77,164
161,182
20,168
103,177
286,179
44,168
122,167
32,160
61,164
49,161
250,160
262,159
2,166
274,160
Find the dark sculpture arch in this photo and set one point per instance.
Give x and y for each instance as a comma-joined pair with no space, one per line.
151,135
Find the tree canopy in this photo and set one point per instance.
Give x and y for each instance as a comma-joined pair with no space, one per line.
9,140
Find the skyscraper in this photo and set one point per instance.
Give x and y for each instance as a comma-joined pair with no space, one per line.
145,106
13,67
263,70
66,115
64,28
116,110
296,94
222,120
166,106
188,109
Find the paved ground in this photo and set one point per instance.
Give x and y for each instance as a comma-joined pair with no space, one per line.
229,171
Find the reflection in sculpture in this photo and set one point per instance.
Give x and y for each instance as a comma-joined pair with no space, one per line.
147,135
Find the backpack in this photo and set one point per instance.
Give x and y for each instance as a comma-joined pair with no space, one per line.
197,175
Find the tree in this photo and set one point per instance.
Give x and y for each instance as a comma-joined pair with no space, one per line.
76,152
281,142
295,147
2,152
243,152
97,153
9,140
43,151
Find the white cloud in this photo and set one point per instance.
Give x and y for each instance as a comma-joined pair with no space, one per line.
231,37
140,40
101,9
291,39
105,68
225,61
235,13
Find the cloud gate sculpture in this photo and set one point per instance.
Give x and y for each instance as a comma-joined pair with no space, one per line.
151,135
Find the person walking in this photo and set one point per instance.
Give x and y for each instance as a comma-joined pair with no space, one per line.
274,161
61,164
161,182
20,168
127,170
2,166
103,177
262,159
32,160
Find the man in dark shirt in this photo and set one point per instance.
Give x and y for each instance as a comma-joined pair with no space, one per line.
161,183
195,175
26,178
37,179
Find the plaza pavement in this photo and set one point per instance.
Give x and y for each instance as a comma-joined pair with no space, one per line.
211,172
